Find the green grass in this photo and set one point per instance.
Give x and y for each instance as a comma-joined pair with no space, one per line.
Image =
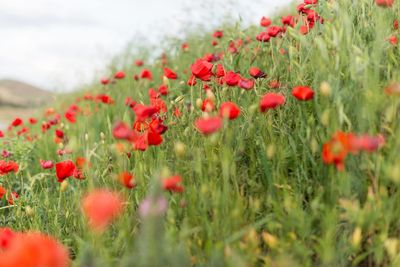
257,192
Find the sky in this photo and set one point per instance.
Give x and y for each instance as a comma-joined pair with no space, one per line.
60,45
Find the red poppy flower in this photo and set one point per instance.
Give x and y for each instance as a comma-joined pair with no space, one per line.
304,29
218,34
288,20
163,90
396,24
146,74
6,237
64,170
265,22
121,131
185,46
3,191
104,81
101,207
59,133
16,122
303,93
246,84
232,78
256,73
220,71
393,89
207,105
139,63
170,74
271,101
1,134
384,3
119,75
7,167
263,37
12,197
202,70
310,2
46,164
32,120
143,112
173,184
208,126
274,31
33,249
127,180
393,40
229,110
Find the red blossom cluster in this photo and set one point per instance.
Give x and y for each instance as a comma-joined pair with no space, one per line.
336,150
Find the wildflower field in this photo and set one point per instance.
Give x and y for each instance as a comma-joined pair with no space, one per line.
275,145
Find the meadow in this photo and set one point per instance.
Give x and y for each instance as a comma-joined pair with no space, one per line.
274,145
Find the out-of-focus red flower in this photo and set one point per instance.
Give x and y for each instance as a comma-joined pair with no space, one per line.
6,237
170,74
127,179
185,47
143,112
288,20
46,164
303,93
173,184
13,196
246,84
59,133
163,90
265,22
393,89
218,34
16,122
3,191
207,105
396,24
32,120
263,37
64,170
104,81
271,101
146,74
256,73
101,207
310,2
119,75
121,131
8,166
274,84
208,126
384,3
33,250
202,70
220,71
1,134
139,63
274,31
232,78
393,40
341,144
304,29
229,110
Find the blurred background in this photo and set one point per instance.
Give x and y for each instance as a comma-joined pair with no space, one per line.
57,46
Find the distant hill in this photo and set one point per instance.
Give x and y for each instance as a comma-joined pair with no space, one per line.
22,95
19,99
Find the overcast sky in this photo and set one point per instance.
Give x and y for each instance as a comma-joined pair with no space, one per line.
59,45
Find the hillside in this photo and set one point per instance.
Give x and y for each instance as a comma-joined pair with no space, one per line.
18,99
273,145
